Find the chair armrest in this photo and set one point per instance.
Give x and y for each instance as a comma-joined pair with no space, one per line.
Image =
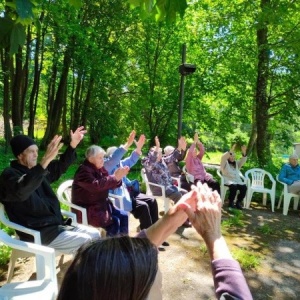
76,207
243,177
163,189
46,267
69,214
120,198
36,234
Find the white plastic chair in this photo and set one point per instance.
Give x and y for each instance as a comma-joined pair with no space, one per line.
45,286
15,254
189,177
64,196
256,184
224,188
287,198
163,196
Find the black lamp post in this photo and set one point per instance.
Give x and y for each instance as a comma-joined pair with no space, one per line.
184,69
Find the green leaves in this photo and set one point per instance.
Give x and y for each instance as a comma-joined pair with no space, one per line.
24,9
76,3
160,10
17,38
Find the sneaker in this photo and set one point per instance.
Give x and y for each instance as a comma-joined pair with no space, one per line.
239,206
165,243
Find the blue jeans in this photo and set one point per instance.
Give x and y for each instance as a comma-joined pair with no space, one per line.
120,223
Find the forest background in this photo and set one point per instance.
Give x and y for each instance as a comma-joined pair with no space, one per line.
113,67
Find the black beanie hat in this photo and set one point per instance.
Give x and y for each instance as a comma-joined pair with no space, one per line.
19,143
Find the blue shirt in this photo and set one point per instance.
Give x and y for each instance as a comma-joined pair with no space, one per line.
288,174
122,190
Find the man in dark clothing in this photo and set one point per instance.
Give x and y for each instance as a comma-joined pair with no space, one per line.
29,199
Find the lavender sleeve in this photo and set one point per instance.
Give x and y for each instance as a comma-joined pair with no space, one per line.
229,280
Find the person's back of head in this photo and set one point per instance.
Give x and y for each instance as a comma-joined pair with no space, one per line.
122,268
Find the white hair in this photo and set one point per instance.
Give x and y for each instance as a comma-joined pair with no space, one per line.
168,150
93,151
110,151
293,156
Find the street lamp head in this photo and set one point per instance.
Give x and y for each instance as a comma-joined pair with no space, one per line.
186,69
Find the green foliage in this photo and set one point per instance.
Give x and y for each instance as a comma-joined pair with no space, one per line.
235,220
203,248
247,259
266,229
5,252
160,10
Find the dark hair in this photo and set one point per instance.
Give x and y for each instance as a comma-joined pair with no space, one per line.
232,162
119,268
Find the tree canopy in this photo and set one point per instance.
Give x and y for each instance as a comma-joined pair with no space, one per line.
113,66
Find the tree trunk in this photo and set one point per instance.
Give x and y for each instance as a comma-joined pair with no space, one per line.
55,113
5,62
16,109
262,105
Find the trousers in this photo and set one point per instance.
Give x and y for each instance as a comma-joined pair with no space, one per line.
120,223
145,209
69,241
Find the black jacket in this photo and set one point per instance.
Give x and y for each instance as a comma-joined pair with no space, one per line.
29,199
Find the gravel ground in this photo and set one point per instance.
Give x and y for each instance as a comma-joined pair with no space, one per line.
186,268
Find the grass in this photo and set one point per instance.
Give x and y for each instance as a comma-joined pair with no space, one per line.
247,259
235,219
266,229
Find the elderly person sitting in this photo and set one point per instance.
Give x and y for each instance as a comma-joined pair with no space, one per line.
90,189
172,157
158,172
230,169
290,174
195,167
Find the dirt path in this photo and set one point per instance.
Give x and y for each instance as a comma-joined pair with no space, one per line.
186,268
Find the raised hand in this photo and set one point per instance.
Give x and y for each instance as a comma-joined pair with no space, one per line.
182,143
121,172
196,138
140,143
157,143
130,140
244,149
77,136
52,151
232,148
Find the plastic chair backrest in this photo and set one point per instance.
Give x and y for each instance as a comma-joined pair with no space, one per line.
258,177
64,195
146,181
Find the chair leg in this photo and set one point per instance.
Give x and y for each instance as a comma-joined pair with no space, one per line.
265,199
11,265
280,199
272,202
249,197
286,204
296,201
